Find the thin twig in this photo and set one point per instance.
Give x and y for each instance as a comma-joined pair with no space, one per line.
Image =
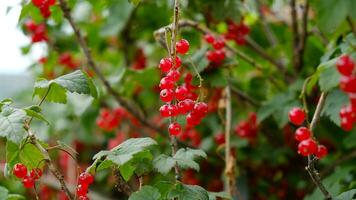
314,174
295,33
244,96
123,102
303,34
122,186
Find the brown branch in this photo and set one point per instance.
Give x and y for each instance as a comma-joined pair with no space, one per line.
159,36
123,102
122,185
314,174
295,33
303,35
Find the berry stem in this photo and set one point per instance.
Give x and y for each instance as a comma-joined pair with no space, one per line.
314,174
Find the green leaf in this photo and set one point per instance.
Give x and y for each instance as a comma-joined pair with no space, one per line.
35,111
15,197
146,193
188,192
331,13
348,195
3,193
163,164
5,102
222,195
127,170
75,82
119,14
329,77
333,103
11,124
185,158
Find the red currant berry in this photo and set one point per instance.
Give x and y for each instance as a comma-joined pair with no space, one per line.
173,110
219,44
28,182
182,46
30,26
302,133
211,56
165,64
164,111
193,120
174,128
348,84
20,170
166,95
173,75
240,40
181,93
220,55
209,38
321,152
307,147
82,190
36,173
296,116
345,65
185,106
219,138
201,108
166,83
243,29
83,198
178,62
346,124
37,3
85,178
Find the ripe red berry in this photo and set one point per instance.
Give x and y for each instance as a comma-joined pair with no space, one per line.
166,83
83,198
200,108
82,190
174,128
346,124
165,64
209,38
178,62
302,133
193,120
37,3
85,178
219,138
166,95
36,173
220,55
345,65
321,152
219,44
20,170
307,147
185,106
182,46
297,116
164,111
173,75
28,182
211,56
30,26
173,110
181,93
348,84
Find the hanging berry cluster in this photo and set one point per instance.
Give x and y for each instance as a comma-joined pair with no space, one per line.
192,135
237,32
140,60
84,180
38,31
307,145
110,119
346,67
67,60
247,128
216,56
28,180
44,6
179,99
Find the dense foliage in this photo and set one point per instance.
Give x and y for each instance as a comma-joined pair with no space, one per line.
177,99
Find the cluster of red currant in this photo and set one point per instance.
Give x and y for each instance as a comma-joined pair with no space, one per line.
307,145
179,99
140,60
44,6
192,135
237,32
247,128
346,67
110,119
84,180
217,55
28,180
38,31
67,60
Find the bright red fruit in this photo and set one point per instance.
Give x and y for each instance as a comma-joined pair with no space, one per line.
85,178
166,95
302,133
201,108
182,46
28,182
36,173
321,152
164,111
348,83
20,170
181,93
173,75
297,116
307,147
219,44
83,198
345,65
30,26
165,64
185,106
166,83
178,62
174,128
219,138
82,190
38,3
346,124
209,38
193,120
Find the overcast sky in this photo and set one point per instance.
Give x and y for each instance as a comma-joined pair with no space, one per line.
12,39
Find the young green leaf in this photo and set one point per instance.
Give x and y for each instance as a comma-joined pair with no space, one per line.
188,192
146,193
11,124
348,195
163,164
186,158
